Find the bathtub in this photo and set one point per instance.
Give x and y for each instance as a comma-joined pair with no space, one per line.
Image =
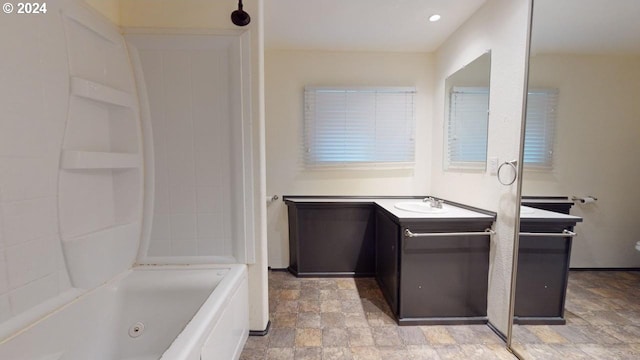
148,312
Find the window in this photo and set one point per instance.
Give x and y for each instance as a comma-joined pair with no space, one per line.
467,128
358,126
540,128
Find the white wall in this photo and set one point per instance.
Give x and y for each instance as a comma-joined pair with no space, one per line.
287,73
499,26
596,151
194,14
109,8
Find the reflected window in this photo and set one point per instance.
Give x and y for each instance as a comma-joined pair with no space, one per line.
466,120
540,128
467,127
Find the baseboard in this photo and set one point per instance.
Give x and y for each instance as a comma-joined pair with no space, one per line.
473,320
347,274
518,320
606,269
261,332
278,269
496,331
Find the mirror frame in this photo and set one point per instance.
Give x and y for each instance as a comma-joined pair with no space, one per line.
459,167
516,231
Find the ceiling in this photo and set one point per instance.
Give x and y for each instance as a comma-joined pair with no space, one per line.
586,26
567,26
363,25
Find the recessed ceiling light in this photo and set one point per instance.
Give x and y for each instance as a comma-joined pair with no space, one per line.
434,17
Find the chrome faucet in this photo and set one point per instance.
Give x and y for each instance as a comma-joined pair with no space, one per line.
433,202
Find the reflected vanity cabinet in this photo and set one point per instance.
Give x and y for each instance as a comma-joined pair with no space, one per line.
559,204
432,280
544,253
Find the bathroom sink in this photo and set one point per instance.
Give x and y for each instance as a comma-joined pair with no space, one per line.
419,207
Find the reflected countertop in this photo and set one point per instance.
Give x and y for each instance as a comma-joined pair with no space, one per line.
533,214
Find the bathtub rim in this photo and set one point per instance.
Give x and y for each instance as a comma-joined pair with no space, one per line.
193,337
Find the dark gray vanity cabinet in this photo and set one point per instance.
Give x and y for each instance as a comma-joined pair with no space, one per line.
437,279
388,258
331,238
543,271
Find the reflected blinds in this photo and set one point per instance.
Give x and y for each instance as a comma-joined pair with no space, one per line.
540,128
358,126
467,127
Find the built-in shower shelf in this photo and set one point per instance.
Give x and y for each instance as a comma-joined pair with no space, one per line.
68,236
101,92
77,160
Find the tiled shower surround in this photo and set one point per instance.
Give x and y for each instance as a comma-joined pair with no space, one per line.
46,119
190,105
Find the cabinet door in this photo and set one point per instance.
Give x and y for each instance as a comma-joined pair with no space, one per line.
336,239
387,240
543,270
444,276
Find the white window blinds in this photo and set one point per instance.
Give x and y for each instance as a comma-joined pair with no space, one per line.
467,128
351,126
540,128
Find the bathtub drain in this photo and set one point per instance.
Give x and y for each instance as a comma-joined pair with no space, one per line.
136,329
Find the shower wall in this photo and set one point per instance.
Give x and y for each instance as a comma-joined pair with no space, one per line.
193,85
72,123
70,159
214,16
34,79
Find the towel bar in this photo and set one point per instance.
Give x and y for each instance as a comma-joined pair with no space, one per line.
409,233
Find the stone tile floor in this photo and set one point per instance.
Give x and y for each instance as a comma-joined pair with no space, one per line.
340,318
603,321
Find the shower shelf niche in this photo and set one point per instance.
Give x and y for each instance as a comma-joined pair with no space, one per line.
101,92
101,168
78,160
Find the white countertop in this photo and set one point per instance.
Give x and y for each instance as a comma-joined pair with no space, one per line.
451,211
529,213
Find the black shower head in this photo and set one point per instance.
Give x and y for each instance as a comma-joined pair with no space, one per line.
240,17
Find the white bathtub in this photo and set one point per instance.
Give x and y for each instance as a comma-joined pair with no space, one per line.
188,313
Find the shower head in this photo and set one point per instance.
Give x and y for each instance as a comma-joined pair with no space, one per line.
240,17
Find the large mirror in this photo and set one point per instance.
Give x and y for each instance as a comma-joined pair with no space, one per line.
467,116
581,157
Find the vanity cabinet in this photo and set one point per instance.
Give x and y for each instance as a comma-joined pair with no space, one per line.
331,238
437,273
543,267
388,258
433,279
